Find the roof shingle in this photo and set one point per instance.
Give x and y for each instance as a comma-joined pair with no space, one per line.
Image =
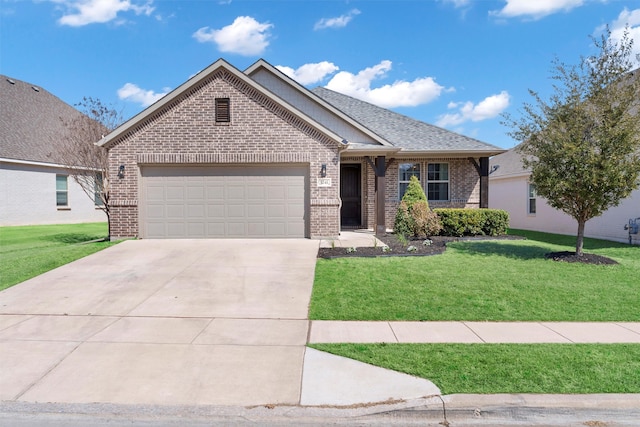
402,131
31,122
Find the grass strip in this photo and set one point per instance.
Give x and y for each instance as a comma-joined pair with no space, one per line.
508,368
495,280
27,251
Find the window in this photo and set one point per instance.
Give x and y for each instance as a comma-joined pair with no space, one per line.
438,181
531,205
223,110
62,190
97,190
405,172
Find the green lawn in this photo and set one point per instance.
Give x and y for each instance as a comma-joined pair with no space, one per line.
28,251
499,280
508,368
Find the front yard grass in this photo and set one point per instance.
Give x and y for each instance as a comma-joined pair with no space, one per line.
27,251
493,280
508,368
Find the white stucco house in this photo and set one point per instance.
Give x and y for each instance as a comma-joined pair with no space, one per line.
35,187
511,190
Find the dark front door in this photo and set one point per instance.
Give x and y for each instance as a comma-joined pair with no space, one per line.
351,212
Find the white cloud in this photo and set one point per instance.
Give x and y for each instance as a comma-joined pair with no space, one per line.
535,9
245,36
617,27
488,108
398,94
309,73
338,22
84,12
133,93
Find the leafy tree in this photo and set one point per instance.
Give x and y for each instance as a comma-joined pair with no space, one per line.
583,144
87,163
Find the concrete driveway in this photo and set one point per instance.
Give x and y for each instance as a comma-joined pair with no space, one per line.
162,321
180,322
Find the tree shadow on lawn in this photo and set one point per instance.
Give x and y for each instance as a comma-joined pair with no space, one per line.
73,238
492,247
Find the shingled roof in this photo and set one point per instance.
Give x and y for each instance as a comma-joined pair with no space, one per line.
31,122
508,164
402,131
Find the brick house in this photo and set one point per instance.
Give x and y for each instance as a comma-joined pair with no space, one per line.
255,154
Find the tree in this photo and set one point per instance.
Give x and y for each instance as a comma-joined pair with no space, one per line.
87,163
583,144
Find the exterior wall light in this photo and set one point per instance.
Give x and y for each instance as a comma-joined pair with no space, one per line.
121,172
323,170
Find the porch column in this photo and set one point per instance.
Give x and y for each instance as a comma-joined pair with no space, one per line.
380,170
484,182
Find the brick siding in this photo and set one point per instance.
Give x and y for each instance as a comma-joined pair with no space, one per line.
260,132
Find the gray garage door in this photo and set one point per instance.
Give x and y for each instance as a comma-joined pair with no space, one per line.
219,201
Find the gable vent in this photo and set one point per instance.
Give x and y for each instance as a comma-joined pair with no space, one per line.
223,110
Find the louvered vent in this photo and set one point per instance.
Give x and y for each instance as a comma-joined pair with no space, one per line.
223,110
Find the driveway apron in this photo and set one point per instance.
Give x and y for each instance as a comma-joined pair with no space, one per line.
219,322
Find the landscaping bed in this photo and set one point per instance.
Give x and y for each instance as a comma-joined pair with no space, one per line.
434,245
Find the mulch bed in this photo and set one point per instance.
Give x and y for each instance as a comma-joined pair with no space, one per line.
398,248
439,244
585,258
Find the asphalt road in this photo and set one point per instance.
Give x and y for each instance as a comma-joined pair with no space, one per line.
100,415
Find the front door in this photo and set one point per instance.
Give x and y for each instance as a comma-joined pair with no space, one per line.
350,193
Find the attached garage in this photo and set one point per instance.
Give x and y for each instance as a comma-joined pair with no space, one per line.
249,201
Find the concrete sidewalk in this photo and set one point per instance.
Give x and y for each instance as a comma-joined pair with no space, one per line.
327,331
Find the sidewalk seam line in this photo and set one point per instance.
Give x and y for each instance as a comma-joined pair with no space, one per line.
556,332
474,332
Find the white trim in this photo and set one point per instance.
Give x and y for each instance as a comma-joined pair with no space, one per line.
439,181
50,165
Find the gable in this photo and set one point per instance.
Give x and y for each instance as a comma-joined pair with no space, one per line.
313,106
193,104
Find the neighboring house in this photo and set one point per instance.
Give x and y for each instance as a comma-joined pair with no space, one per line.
512,191
35,187
255,154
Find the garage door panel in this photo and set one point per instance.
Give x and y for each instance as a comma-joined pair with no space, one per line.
219,201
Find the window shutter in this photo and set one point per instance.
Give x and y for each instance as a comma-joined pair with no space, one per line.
223,110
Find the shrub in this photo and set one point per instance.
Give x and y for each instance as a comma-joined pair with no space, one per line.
414,193
413,217
473,222
425,221
403,224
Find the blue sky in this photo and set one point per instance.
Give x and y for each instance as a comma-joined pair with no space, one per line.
455,63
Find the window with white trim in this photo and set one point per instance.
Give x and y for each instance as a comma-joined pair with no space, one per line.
405,172
438,181
62,191
531,199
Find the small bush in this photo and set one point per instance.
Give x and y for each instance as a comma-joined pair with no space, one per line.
403,224
414,193
413,217
473,222
425,221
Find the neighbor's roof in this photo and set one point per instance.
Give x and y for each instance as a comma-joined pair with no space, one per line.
507,164
404,132
31,122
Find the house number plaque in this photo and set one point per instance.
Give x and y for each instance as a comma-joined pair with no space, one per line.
324,182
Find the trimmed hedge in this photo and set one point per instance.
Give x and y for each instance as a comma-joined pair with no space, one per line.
473,222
